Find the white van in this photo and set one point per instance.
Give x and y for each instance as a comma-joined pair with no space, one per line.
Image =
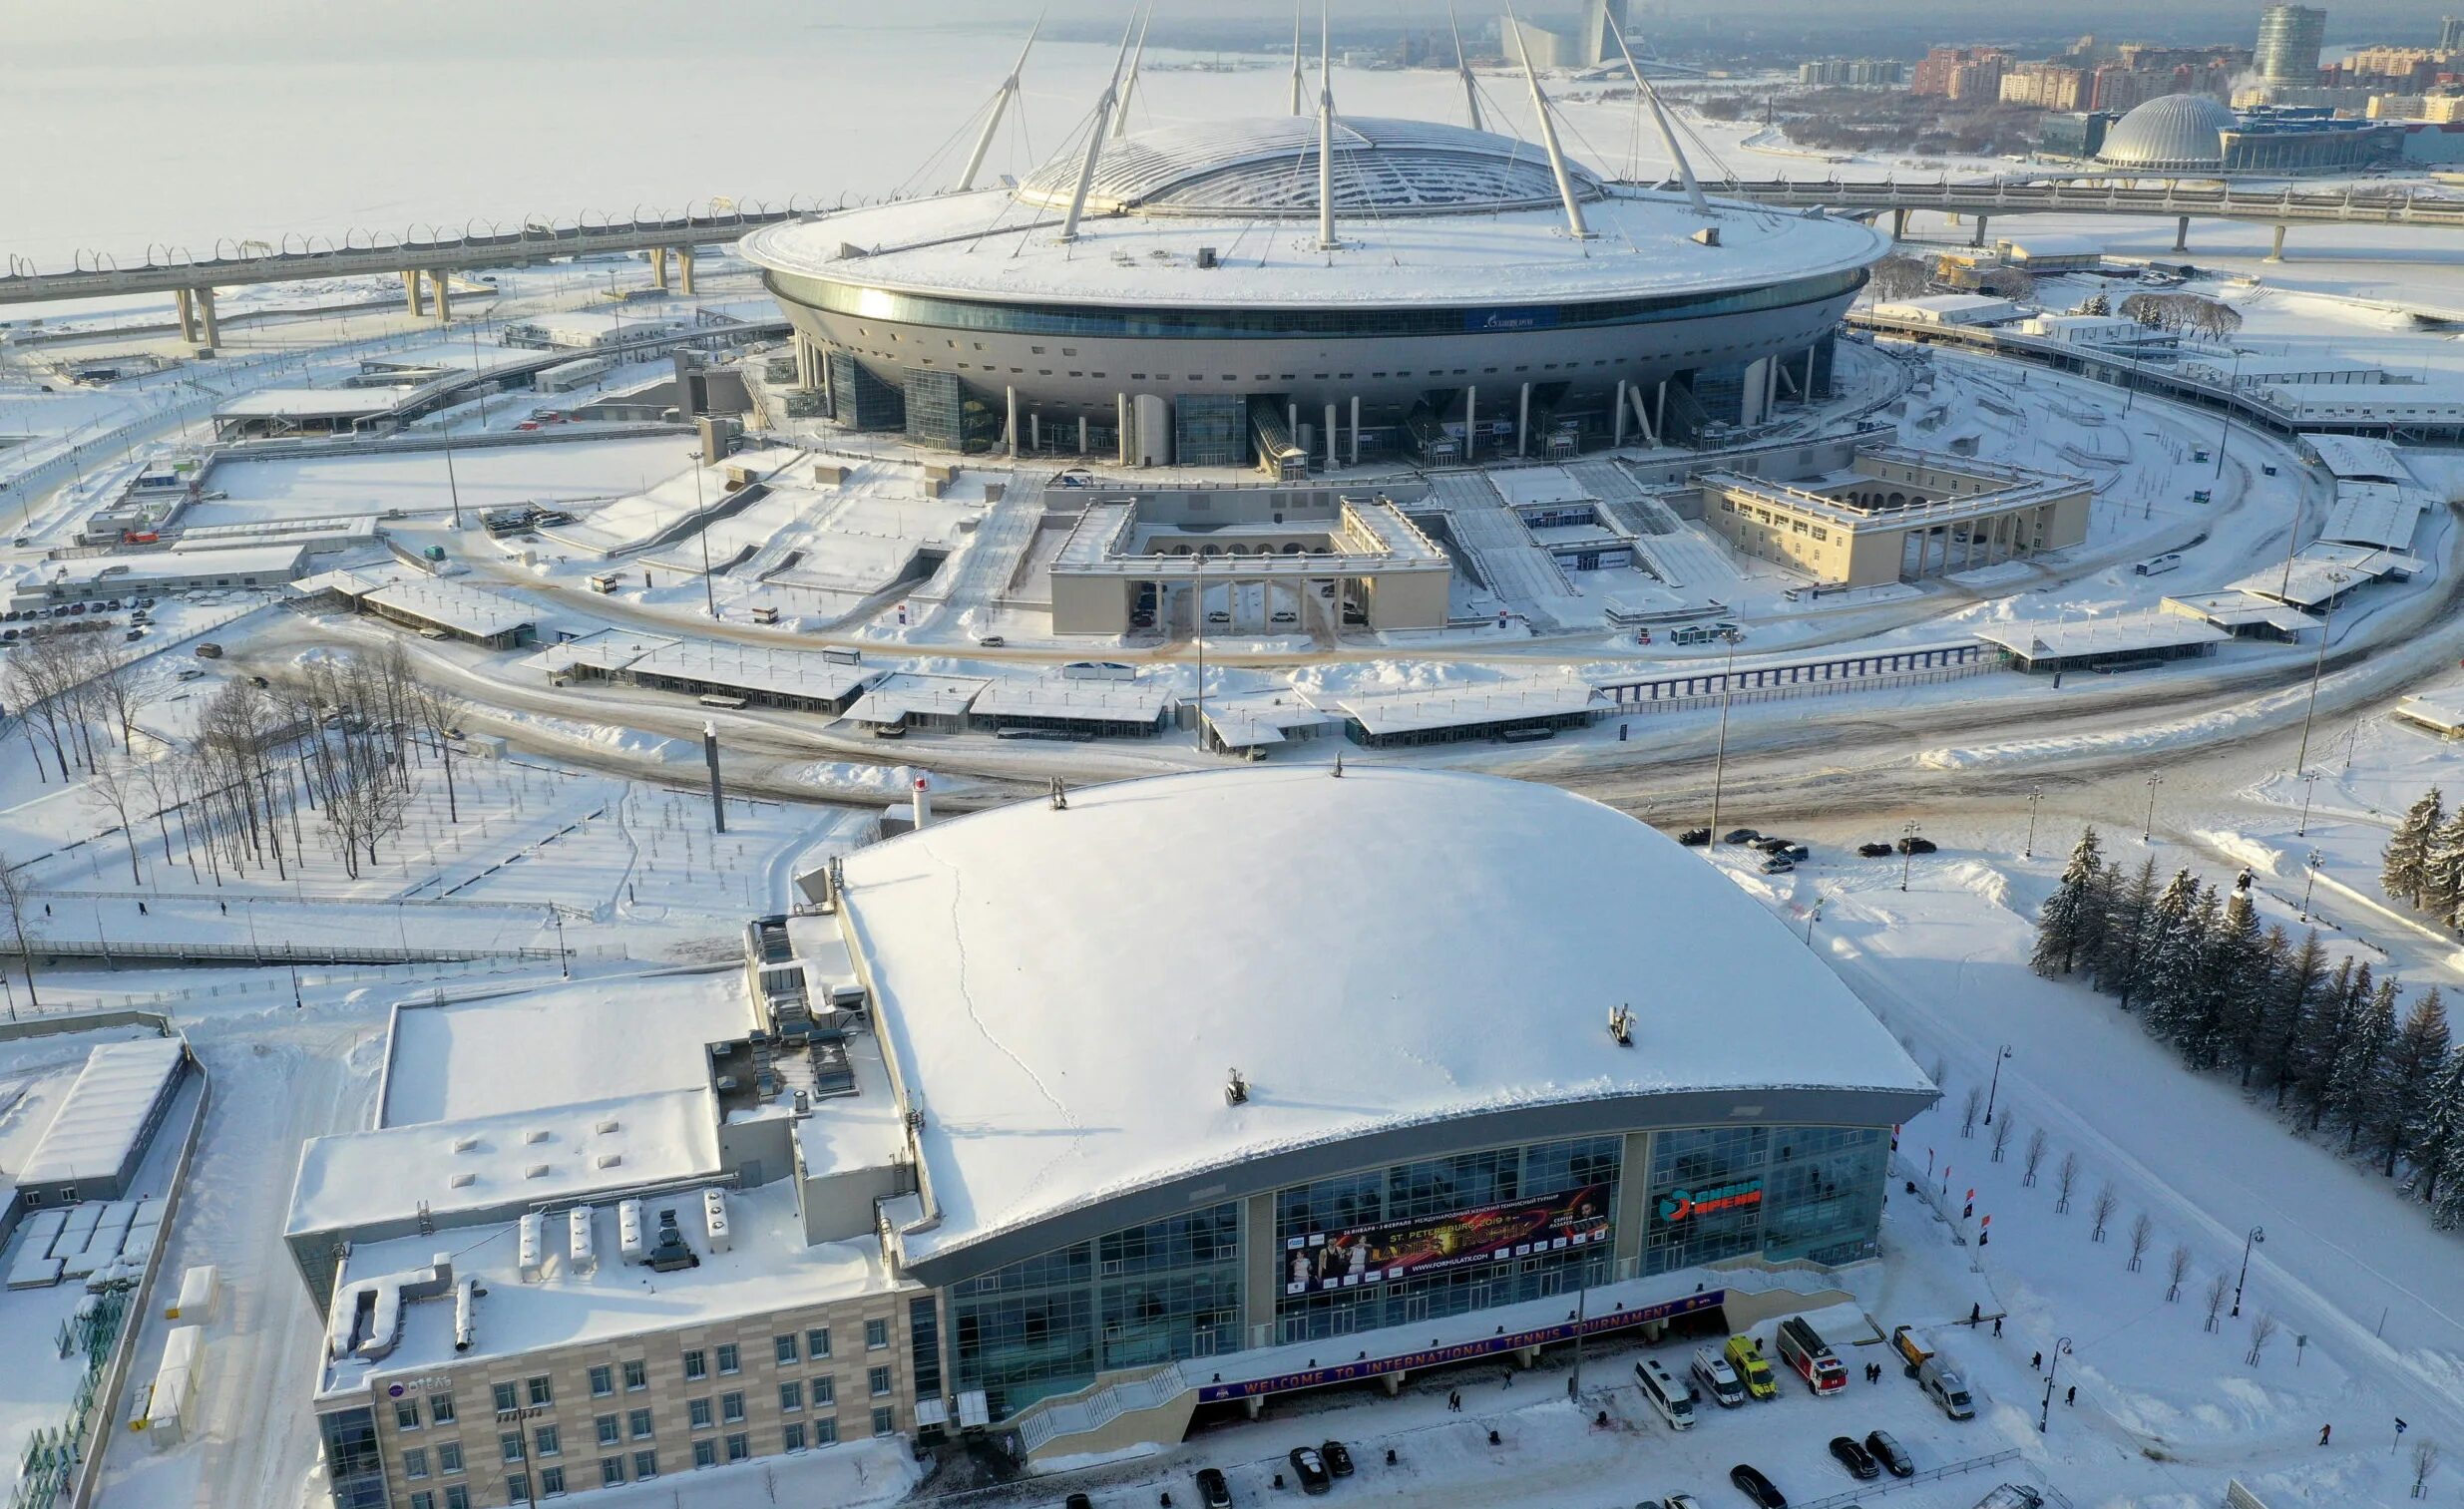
1668,1393
2158,566
1713,1373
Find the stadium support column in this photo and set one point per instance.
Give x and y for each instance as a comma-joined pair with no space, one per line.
1009,432
188,317
1083,441
212,328
1331,434
1471,421
1356,429
413,295
1522,422
1659,412
2275,254
1617,420
1899,224
2182,232
685,270
441,286
1127,441
658,268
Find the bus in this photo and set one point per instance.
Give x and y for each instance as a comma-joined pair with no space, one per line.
1671,1395
716,699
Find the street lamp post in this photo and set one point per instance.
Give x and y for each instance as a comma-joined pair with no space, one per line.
1719,758
2045,1413
2034,793
2227,434
2147,830
1995,1088
564,960
2310,789
2319,665
2258,1233
709,595
2312,864
1907,849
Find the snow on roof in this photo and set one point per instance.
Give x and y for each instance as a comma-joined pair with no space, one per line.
484,1163
299,403
558,1047
785,672
1142,700
2253,368
1417,708
1949,308
2443,711
1643,245
848,1133
1539,484
768,1268
450,605
2042,245
2357,457
2379,514
96,1129
1249,722
179,565
350,582
2323,570
1063,998
2117,633
2437,399
899,693
2234,608
215,536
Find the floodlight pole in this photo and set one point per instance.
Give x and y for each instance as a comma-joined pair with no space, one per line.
1719,762
1000,104
1326,141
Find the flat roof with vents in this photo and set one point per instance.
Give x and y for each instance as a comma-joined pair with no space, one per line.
98,1133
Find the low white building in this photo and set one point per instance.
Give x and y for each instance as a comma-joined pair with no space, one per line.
1950,309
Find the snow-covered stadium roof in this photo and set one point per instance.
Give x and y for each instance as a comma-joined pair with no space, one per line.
106,1111
1269,166
1399,963
2178,133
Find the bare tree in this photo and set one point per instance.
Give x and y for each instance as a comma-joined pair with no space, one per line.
112,787
1969,1110
2102,1211
2001,1138
112,686
1899,276
2262,1329
2425,1463
2065,1179
2143,1232
2217,1290
2177,1268
440,713
2038,1143
13,900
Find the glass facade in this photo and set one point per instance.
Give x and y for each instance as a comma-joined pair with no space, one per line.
1360,1214
864,402
942,412
1319,322
354,1463
1141,1297
1782,1192
1210,430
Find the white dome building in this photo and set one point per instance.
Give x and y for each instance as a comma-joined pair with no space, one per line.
2171,135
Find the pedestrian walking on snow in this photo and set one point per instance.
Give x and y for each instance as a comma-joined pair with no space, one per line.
2037,1362
1997,1326
2071,1397
2323,1432
1977,1312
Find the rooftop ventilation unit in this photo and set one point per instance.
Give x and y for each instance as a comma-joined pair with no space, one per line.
582,1239
629,1243
534,1171
466,1323
714,1219
1621,1026
1207,257
463,1180
533,1136
670,1253
1236,1090
533,1241
466,1144
606,1126
1709,236
610,1160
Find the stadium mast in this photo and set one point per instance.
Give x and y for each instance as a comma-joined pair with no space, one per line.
1000,102
1094,136
1548,136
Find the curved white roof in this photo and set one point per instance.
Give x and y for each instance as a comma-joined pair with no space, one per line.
2173,133
1269,166
1063,994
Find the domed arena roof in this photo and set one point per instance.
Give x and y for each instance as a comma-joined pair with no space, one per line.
2173,133
1268,165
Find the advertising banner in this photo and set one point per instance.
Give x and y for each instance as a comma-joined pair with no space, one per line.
1394,1249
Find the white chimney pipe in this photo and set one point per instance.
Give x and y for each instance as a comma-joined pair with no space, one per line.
922,801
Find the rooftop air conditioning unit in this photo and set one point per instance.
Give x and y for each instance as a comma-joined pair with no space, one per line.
670,1253
1206,256
465,1144
534,1135
463,1180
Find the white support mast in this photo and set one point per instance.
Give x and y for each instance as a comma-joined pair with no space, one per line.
1548,136
1129,90
1001,103
1325,140
1300,90
1094,136
1462,71
1668,132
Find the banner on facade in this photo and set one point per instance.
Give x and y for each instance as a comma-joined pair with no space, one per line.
1391,1250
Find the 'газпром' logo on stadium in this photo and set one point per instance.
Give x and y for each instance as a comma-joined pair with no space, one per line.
1681,1204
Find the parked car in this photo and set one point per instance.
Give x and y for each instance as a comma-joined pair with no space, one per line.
1775,864
1874,851
1860,1462
1739,836
990,642
1683,1501
1763,1491
1893,1456
1337,1458
1077,1501
1310,1468
1695,838
2012,1496
1213,1491
1914,845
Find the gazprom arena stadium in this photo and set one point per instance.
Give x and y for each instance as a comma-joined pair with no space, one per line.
1313,288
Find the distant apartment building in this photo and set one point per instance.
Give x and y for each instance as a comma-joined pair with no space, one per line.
2046,86
2289,36
1960,73
1852,72
2451,34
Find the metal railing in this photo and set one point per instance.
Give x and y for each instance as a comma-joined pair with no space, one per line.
2173,199
1930,1475
1050,1419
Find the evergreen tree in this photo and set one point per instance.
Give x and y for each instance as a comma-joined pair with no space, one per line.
2414,1065
2197,1022
2405,871
2323,1040
2122,966
2437,1152
2442,876
2097,303
2247,1010
2293,997
2062,923
2229,994
2358,1089
2174,964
